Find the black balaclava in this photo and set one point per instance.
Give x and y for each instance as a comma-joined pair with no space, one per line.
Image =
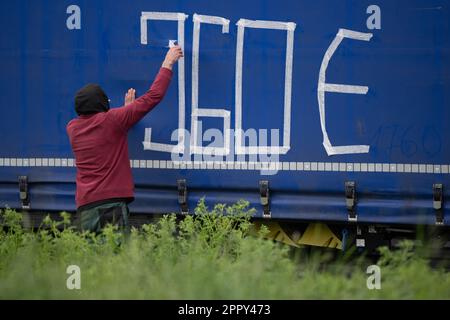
91,99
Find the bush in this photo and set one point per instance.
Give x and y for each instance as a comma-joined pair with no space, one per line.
211,255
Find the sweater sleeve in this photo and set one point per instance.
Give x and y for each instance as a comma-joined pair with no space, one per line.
127,116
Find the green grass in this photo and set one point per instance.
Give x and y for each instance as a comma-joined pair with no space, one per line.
207,256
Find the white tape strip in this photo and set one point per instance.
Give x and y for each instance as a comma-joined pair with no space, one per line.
180,18
323,87
172,43
238,91
225,23
170,16
343,88
288,89
240,147
162,147
262,24
217,113
181,91
355,35
214,113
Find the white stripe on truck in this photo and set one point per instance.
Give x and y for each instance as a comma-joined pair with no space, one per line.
252,166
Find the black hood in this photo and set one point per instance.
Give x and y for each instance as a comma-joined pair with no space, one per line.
91,99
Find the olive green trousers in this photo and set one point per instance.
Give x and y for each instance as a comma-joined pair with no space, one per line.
96,218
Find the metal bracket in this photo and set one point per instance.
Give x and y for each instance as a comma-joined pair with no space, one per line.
23,192
264,198
438,203
350,200
182,196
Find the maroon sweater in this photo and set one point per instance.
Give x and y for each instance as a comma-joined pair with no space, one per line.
100,145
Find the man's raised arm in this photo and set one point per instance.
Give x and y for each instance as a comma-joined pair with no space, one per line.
135,110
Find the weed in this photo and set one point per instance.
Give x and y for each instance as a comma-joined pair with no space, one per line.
209,255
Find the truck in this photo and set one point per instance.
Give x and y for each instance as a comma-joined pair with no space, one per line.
329,117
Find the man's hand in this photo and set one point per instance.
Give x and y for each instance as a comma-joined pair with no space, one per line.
172,56
130,96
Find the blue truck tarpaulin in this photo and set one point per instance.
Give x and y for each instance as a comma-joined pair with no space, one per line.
321,102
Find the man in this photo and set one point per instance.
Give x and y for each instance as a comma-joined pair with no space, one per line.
104,183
